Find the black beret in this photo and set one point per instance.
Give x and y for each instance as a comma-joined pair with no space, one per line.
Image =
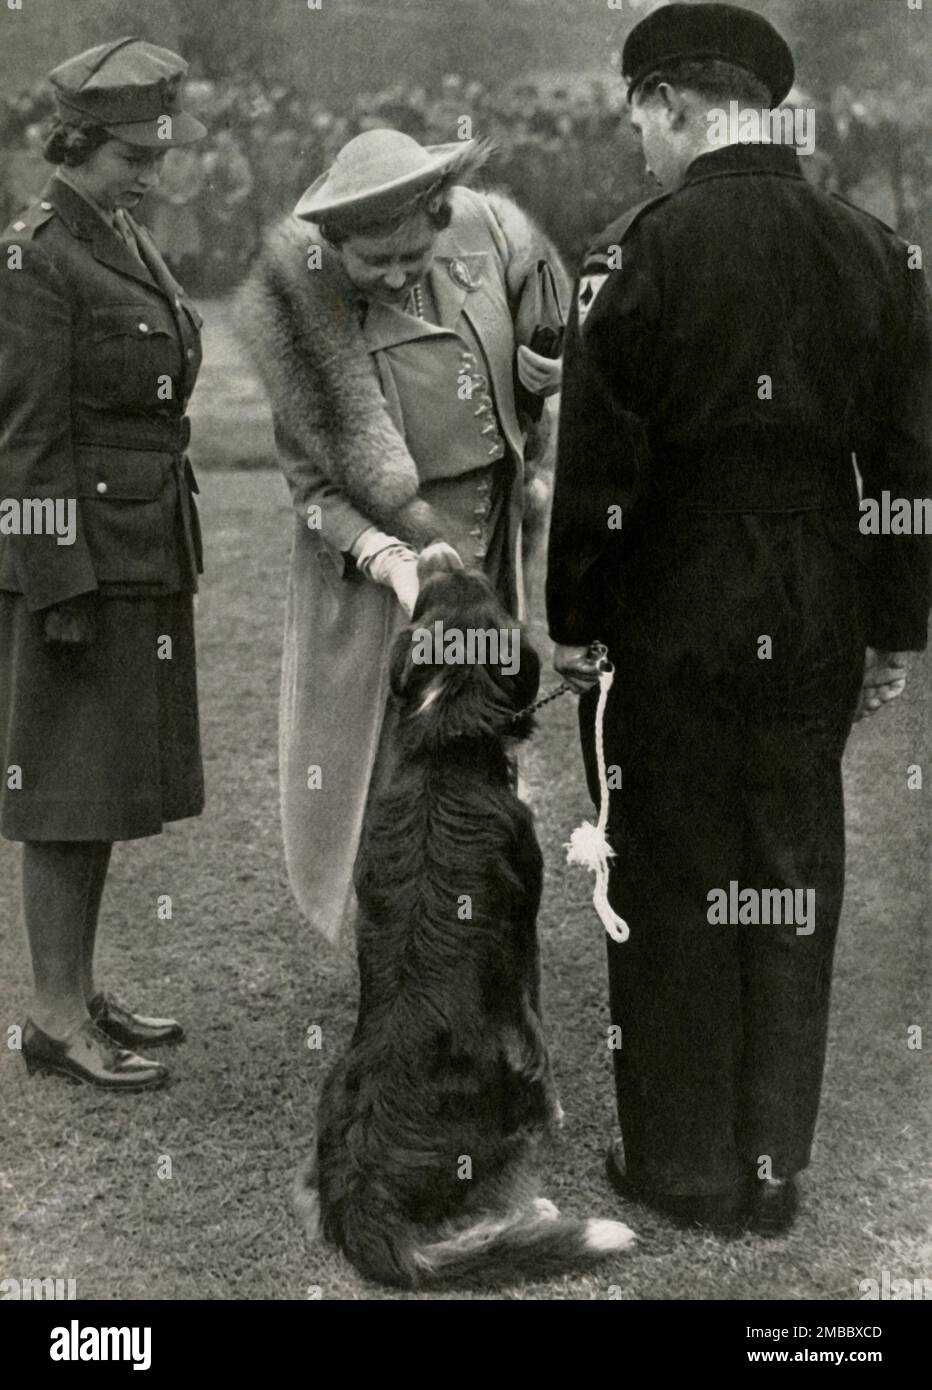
728,32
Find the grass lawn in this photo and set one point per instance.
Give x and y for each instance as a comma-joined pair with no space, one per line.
83,1185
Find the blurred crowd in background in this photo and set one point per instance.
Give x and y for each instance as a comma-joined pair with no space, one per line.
563,152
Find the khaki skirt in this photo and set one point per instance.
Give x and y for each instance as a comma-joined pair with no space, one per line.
100,742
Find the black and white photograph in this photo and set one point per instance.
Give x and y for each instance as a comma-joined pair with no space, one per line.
465,719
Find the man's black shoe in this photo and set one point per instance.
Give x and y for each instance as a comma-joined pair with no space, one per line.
774,1203
617,1174
724,1213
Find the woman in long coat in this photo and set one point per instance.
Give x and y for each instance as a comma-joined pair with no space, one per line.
382,318
99,544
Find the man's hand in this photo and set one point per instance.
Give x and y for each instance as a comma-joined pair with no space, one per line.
540,375
73,623
884,680
578,667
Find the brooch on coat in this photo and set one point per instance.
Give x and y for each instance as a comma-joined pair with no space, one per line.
461,275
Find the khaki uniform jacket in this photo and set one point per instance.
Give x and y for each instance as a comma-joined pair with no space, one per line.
98,357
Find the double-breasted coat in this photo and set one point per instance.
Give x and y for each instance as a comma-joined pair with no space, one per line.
360,436
733,345
99,352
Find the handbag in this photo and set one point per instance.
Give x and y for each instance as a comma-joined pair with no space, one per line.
540,323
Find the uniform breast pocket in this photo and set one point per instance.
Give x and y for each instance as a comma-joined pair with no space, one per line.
133,360
122,501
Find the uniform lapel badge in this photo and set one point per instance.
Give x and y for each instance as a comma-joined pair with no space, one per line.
461,275
589,287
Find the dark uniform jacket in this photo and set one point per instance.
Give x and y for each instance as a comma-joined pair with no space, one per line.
745,272
756,335
98,357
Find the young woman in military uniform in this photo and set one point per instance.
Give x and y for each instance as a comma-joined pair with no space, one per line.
99,351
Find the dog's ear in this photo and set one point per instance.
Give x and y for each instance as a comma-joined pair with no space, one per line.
455,702
446,699
527,677
524,687
400,665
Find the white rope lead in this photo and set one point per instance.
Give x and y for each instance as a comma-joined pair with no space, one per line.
588,844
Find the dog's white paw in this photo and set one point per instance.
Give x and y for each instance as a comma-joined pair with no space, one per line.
307,1205
307,1199
608,1235
559,1115
546,1209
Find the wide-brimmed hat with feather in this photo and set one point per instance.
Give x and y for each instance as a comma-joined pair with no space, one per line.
381,174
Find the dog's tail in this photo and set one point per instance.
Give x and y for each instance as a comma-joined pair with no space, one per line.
536,1243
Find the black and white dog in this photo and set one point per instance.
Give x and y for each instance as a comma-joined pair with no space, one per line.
427,1125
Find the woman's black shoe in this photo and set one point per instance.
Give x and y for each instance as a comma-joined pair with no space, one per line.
132,1030
774,1203
724,1213
89,1055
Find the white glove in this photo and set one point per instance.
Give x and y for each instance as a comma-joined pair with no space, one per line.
387,560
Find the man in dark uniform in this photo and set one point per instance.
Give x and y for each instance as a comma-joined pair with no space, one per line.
746,355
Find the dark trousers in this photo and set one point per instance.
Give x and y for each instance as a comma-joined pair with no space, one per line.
723,1027
731,772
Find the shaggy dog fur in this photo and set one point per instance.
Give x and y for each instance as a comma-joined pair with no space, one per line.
426,1126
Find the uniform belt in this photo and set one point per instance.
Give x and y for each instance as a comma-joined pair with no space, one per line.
133,432
762,480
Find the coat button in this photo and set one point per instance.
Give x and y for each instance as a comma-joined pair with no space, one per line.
189,354
101,487
143,328
18,226
46,207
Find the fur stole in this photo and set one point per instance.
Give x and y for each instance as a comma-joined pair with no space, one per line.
302,331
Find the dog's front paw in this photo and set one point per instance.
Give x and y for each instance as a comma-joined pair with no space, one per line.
557,1115
307,1198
